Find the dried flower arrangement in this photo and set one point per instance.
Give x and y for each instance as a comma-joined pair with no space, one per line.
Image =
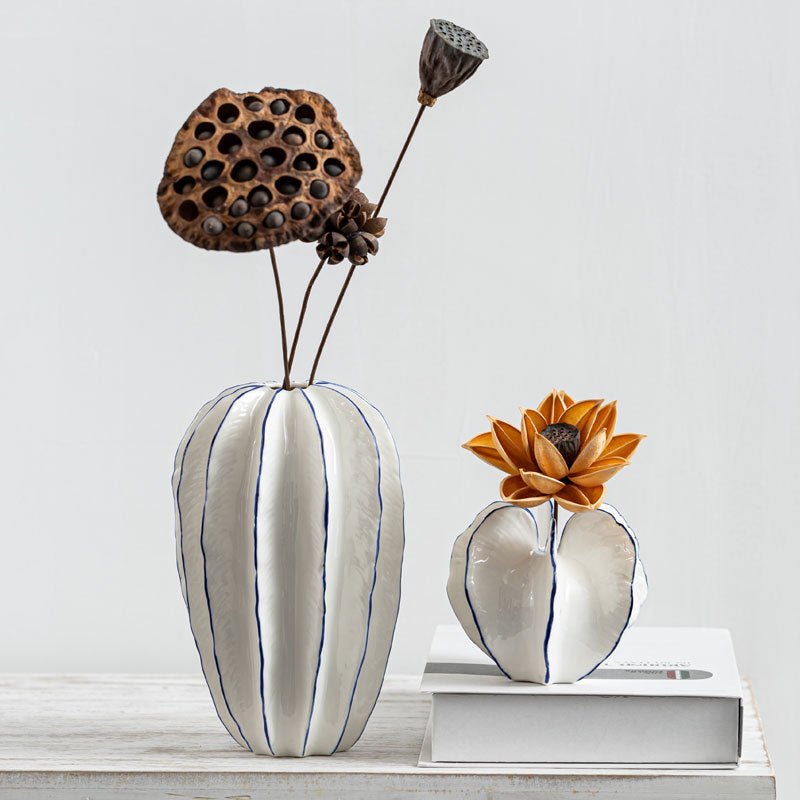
563,450
252,171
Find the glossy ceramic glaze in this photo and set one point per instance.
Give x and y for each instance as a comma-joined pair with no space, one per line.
547,606
289,534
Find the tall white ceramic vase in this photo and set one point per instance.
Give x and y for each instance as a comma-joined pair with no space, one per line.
547,603
289,534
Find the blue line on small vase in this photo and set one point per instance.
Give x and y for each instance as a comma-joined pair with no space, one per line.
205,568
551,617
324,566
374,566
402,533
255,566
466,587
222,396
613,513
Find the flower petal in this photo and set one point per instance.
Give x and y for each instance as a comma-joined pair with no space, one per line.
572,499
547,407
514,490
599,472
623,445
542,483
606,419
609,461
584,425
482,446
568,401
532,421
508,441
589,453
594,494
584,499
560,405
576,412
550,461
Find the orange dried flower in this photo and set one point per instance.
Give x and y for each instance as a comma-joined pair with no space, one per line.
563,450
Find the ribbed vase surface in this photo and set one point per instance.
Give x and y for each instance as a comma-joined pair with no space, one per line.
289,536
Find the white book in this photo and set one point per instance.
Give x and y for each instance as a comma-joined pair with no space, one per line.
666,696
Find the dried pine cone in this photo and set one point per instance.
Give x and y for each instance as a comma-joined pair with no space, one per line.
450,55
352,232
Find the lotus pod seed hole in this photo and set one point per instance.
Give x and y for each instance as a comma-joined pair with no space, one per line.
273,157
228,113
244,171
321,139
194,156
334,167
279,107
305,114
260,197
212,170
184,185
261,129
300,210
287,185
294,136
253,103
245,229
205,130
215,198
239,207
318,189
188,210
305,162
230,143
274,219
213,226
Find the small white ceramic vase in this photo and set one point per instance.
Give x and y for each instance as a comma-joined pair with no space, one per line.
289,534
546,605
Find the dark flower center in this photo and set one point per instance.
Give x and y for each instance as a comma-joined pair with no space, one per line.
566,438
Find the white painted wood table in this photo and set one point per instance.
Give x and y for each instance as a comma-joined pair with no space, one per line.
103,737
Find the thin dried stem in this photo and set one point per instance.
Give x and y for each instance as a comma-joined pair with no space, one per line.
553,538
303,309
399,159
375,213
330,323
286,380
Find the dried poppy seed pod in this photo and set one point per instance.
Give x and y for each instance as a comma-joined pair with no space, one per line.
450,55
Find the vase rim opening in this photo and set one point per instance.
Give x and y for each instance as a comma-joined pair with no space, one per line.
293,385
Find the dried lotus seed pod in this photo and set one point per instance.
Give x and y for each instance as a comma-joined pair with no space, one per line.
257,169
450,55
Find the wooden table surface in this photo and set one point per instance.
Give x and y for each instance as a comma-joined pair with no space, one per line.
103,737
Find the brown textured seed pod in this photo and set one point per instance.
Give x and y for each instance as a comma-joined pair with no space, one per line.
352,232
253,170
450,55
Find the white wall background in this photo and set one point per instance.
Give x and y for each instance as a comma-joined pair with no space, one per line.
610,205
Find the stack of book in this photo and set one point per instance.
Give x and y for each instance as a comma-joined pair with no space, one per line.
667,696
